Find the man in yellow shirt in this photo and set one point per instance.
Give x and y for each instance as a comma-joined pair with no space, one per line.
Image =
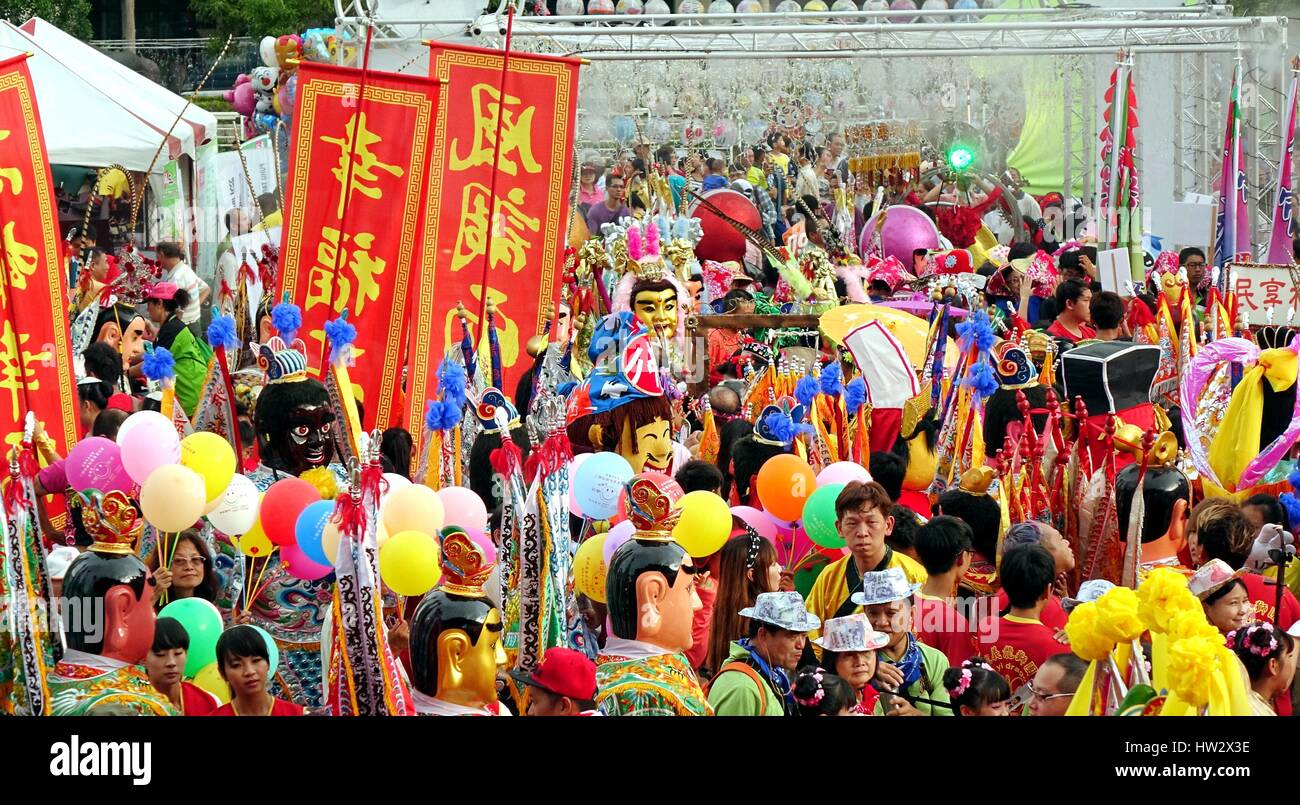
863,521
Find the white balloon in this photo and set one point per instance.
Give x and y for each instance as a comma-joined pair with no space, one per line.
236,513
131,421
395,482
267,51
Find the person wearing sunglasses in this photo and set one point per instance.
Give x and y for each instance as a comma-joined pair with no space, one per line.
1051,689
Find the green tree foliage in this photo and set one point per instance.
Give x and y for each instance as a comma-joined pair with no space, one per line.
263,17
72,16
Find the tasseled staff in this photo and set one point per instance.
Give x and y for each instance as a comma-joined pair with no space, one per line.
160,367
466,341
25,584
494,344
442,416
364,676
216,409
341,334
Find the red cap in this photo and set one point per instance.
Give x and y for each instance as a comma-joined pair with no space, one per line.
564,672
163,290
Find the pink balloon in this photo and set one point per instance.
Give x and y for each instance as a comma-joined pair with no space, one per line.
618,535
758,520
573,471
148,444
843,472
299,566
96,463
463,508
483,541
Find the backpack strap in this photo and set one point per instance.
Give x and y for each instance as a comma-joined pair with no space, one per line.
747,670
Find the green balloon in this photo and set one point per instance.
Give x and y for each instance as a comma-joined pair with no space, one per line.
819,516
202,622
272,651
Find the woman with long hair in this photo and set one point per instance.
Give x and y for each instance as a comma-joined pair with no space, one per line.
747,566
189,573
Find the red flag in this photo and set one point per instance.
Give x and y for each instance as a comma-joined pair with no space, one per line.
356,205
35,345
519,246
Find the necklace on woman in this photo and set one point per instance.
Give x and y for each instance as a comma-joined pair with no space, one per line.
235,707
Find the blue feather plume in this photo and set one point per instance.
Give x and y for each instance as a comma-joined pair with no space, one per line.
341,335
1292,506
780,426
158,365
221,332
981,380
976,331
855,394
805,390
287,318
1294,479
832,379
451,382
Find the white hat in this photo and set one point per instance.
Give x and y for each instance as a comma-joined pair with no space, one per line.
851,633
784,610
59,560
1210,577
883,587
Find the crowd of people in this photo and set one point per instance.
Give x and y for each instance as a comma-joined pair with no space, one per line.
1008,449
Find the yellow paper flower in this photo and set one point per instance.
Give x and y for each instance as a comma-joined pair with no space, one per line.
1117,615
323,479
1192,623
1085,633
1163,594
1193,663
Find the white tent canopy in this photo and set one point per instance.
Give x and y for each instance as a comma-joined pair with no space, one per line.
81,124
153,102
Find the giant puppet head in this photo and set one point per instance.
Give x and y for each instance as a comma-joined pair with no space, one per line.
456,630
621,406
650,585
111,579
294,419
493,409
1168,278
1165,490
648,288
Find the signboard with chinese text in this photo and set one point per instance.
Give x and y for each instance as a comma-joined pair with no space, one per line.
1263,287
355,206
507,229
35,346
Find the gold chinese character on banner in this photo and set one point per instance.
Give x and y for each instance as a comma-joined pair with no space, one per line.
516,133
507,329
11,175
359,275
20,258
507,233
17,369
354,148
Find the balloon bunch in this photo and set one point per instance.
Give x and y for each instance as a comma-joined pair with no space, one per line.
417,518
265,95
599,492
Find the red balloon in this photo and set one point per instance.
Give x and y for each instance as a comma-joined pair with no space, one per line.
283,502
721,242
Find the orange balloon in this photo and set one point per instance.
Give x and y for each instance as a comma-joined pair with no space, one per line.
785,481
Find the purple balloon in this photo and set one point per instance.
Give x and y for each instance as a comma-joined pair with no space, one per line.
618,535
96,463
905,230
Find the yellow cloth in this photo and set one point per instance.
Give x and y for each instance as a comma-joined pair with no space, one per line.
113,184
1237,442
830,591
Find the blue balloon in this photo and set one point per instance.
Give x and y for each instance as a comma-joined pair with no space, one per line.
310,527
272,651
624,129
598,484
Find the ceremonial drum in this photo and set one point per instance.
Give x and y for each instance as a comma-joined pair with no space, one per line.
721,241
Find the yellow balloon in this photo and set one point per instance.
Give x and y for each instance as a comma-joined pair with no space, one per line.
209,678
212,458
172,498
589,568
329,540
255,543
705,523
413,508
408,563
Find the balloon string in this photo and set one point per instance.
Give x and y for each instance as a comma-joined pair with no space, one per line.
260,586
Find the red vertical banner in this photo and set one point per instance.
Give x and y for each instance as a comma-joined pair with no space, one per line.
493,237
35,345
355,210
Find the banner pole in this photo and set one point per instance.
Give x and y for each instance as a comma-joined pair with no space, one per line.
496,168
